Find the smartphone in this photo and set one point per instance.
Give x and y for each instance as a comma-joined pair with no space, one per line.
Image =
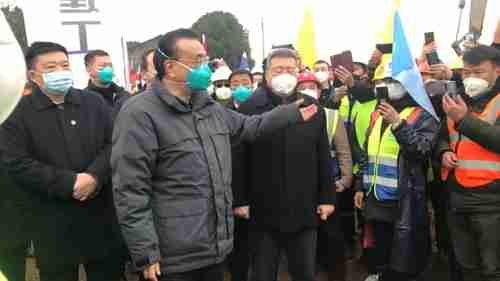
343,59
429,37
451,88
382,94
433,58
336,61
384,48
347,61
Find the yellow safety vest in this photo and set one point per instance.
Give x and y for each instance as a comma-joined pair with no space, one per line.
345,103
361,114
383,152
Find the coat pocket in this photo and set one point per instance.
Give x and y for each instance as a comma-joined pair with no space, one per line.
229,214
182,227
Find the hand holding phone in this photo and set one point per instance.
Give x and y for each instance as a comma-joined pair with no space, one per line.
433,58
382,94
451,89
343,59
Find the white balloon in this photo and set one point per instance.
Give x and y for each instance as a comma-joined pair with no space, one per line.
12,70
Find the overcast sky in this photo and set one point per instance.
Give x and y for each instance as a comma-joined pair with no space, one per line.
339,24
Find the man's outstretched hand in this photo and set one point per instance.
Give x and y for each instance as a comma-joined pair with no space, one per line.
307,111
152,272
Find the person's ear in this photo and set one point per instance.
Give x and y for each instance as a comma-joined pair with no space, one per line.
34,77
30,74
169,67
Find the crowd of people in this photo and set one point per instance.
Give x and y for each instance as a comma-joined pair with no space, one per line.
210,170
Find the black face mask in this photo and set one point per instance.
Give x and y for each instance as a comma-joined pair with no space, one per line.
363,91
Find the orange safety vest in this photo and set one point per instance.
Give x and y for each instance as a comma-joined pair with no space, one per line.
477,166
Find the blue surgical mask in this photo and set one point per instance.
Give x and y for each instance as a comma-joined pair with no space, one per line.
105,75
242,94
58,82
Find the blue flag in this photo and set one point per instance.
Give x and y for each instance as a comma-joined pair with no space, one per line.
244,62
405,70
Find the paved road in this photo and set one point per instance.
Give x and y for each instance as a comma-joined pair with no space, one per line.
355,272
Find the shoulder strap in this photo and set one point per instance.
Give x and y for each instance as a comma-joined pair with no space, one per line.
492,110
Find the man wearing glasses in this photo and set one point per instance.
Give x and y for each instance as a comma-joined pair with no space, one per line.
290,182
171,163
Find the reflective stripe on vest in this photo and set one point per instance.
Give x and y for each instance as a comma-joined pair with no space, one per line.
332,120
383,153
344,106
477,166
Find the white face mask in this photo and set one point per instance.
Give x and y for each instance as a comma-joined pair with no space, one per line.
475,86
284,84
312,93
223,93
396,91
322,76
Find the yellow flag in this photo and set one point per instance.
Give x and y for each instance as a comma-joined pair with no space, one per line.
387,37
306,42
2,278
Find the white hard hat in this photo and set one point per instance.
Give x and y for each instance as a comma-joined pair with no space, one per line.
221,73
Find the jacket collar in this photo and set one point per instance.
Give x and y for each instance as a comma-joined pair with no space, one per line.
41,101
112,93
199,100
265,97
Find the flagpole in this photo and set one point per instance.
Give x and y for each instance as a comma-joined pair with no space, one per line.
263,38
